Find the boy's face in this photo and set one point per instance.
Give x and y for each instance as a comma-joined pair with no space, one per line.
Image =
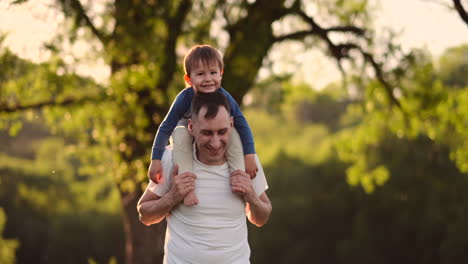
205,78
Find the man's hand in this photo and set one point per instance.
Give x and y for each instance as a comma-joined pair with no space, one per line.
181,184
250,165
153,209
242,185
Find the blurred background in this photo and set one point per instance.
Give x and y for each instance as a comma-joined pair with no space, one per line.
359,111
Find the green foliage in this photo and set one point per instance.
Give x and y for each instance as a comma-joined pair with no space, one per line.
453,67
294,138
391,188
59,209
351,181
431,109
317,217
300,119
7,246
347,12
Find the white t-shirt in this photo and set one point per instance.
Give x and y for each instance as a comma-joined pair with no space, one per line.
215,230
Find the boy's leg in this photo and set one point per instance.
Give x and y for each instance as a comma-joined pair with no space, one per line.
182,151
182,155
235,152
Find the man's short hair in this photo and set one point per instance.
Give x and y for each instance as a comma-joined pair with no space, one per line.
205,54
212,102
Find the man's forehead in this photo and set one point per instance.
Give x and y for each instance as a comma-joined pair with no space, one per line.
222,117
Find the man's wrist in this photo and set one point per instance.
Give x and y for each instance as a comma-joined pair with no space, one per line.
251,197
170,199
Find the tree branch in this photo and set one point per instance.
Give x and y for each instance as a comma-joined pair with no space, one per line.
347,29
175,24
82,17
299,35
377,71
461,10
51,103
341,51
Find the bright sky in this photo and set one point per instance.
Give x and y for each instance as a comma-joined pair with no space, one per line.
423,23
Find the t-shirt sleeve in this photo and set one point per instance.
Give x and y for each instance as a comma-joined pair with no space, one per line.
163,187
260,184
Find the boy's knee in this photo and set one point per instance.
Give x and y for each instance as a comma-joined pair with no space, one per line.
181,137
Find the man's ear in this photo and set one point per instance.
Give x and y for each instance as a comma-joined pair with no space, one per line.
187,79
190,127
232,122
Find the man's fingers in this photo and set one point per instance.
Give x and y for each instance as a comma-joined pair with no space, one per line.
238,189
240,173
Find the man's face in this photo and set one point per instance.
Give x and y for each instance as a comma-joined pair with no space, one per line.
205,78
211,136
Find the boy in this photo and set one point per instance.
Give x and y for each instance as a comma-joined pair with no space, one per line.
203,68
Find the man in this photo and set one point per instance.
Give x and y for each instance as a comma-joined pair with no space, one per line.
215,230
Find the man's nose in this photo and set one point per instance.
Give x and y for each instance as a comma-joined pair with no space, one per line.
216,142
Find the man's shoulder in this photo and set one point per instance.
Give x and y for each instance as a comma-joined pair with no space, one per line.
167,155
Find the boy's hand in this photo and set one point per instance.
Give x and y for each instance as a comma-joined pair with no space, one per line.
250,165
241,184
155,171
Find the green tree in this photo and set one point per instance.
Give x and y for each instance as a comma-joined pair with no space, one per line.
407,199
453,67
139,41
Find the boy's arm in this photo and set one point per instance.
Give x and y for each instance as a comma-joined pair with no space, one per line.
240,123
245,133
178,108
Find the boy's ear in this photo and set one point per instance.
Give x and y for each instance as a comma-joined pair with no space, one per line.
222,71
187,79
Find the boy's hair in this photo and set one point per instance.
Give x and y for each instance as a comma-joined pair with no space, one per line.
212,102
202,53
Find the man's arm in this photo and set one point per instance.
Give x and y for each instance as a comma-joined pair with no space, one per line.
153,209
258,208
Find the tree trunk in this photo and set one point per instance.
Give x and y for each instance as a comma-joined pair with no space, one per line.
143,244
247,46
